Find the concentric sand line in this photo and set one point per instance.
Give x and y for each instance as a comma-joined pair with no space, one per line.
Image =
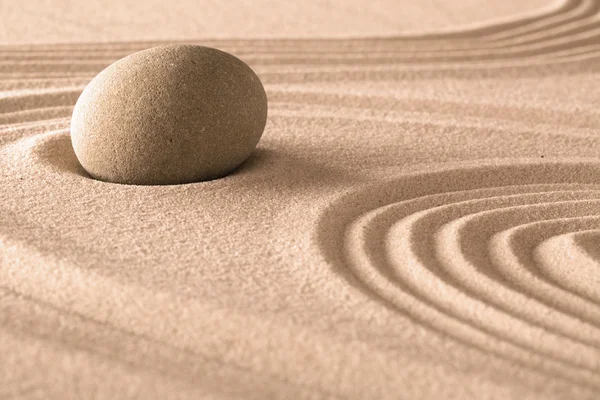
571,262
443,257
502,257
566,34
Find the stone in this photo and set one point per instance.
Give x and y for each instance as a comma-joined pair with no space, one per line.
169,115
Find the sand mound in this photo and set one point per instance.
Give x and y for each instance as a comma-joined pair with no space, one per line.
421,217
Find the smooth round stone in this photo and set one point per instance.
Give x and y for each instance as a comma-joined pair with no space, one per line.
168,115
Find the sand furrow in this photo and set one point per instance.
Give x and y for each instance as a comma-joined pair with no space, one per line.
421,216
565,10
567,24
570,261
546,47
520,267
534,66
428,251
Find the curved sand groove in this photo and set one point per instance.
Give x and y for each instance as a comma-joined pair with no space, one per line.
21,101
565,260
292,75
371,104
571,11
32,107
587,241
44,156
479,279
528,67
417,269
543,49
548,41
36,114
462,242
552,14
425,253
498,261
519,264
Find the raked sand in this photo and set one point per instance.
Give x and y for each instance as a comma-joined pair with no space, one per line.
421,219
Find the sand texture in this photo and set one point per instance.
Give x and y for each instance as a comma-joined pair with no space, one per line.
420,220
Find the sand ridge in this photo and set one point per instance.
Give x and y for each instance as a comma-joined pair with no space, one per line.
461,244
420,217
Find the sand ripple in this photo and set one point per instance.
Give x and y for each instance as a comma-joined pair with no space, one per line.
44,81
485,255
569,33
499,256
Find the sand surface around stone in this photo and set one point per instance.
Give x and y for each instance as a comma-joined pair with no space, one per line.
420,219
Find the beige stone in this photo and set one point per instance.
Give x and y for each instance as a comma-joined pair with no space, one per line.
168,115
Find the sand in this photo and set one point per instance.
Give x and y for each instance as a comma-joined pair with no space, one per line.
421,217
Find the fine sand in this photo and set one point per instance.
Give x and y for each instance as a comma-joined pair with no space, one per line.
421,219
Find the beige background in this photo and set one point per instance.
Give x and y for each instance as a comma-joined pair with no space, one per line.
114,20
419,220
